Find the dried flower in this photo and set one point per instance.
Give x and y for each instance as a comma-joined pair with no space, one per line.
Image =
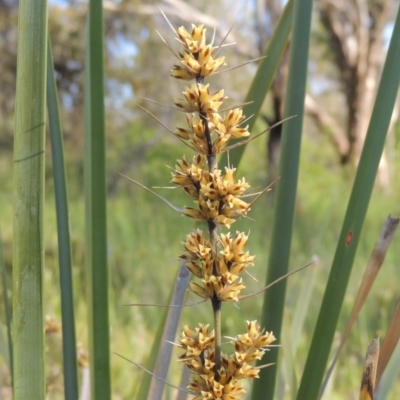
217,261
199,357
197,59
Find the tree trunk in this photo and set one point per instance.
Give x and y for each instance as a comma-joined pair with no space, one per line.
355,37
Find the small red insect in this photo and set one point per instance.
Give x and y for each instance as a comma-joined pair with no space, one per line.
349,238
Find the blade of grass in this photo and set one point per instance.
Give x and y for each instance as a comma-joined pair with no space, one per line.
390,376
263,78
28,179
302,304
64,242
390,343
85,384
291,334
287,360
166,331
185,379
4,350
351,229
7,311
145,381
95,202
165,347
278,263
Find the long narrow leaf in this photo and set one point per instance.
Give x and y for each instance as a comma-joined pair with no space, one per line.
169,332
351,229
389,345
288,377
145,382
7,309
264,76
95,201
28,249
390,376
64,243
278,262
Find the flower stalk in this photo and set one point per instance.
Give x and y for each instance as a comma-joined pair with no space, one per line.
217,260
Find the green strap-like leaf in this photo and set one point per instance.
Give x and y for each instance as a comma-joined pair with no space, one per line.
95,202
278,262
64,243
353,222
28,179
161,350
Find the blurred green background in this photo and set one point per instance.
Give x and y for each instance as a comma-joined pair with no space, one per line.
144,234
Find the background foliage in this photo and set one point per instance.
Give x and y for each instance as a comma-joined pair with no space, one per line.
144,241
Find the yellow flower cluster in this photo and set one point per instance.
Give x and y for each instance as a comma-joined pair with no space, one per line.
219,260
199,357
219,272
217,195
209,123
197,62
197,59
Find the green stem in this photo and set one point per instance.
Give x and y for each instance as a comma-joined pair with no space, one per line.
71,388
279,256
28,179
96,207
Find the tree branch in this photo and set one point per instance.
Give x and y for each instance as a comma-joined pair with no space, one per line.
327,124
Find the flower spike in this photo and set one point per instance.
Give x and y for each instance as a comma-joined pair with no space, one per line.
217,261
